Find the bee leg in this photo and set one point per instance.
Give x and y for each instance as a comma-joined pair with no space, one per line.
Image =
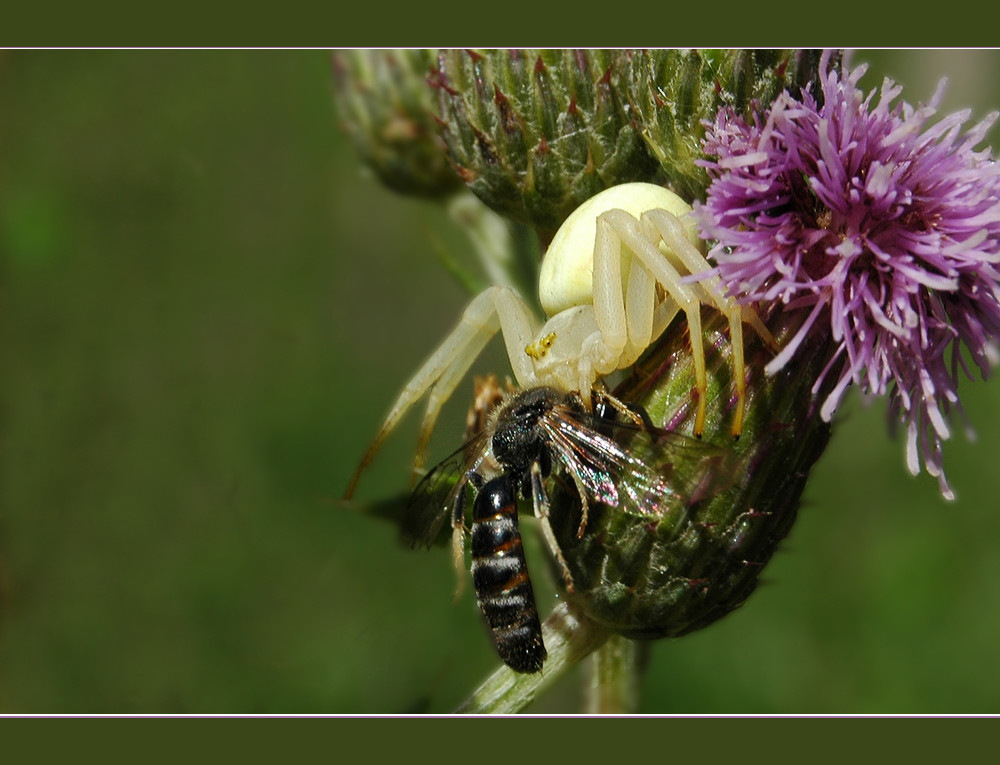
458,530
582,491
540,502
635,412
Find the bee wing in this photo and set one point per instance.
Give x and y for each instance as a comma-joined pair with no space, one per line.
641,470
433,499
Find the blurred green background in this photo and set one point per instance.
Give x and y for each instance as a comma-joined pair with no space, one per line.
207,307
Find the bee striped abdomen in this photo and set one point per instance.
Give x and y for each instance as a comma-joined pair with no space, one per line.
500,576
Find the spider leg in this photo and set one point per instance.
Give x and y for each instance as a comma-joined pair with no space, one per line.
607,286
498,308
664,314
696,263
750,317
672,231
640,304
624,304
643,244
517,328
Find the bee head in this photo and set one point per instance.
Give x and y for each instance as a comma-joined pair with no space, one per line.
517,438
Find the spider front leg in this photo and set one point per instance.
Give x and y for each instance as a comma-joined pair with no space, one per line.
669,228
631,309
618,231
497,308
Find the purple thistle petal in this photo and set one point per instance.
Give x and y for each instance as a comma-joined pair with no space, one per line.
883,224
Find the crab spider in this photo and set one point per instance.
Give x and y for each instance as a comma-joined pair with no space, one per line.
611,281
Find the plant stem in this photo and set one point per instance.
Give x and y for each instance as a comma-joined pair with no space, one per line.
614,680
568,639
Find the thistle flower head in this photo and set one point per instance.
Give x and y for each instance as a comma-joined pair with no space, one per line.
883,224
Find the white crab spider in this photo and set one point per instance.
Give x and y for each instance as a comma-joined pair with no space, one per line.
611,281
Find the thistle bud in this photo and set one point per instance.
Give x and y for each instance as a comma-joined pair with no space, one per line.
666,575
673,91
386,108
536,133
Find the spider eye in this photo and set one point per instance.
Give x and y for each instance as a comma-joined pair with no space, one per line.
540,347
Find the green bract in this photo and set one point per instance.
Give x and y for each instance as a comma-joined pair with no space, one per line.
536,133
673,91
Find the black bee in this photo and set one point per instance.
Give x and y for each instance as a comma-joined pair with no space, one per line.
524,438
